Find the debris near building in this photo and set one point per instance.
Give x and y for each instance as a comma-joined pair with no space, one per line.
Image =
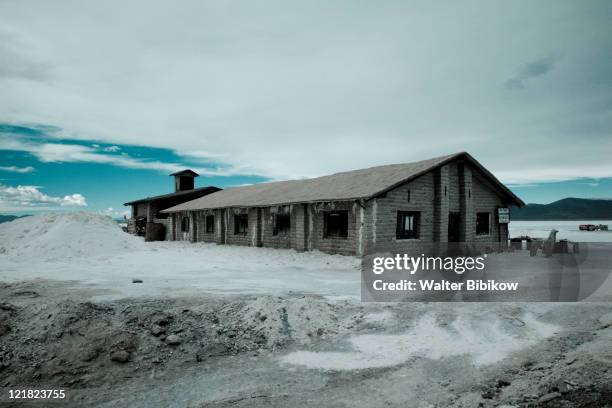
593,227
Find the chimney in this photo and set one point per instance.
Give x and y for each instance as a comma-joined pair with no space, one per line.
184,180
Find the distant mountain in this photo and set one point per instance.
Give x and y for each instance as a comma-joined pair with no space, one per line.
7,218
571,209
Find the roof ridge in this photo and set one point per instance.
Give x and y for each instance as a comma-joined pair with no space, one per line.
351,185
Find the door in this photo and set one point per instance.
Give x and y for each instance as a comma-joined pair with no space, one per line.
260,226
454,223
194,230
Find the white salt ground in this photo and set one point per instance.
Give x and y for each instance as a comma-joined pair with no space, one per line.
486,339
92,250
567,230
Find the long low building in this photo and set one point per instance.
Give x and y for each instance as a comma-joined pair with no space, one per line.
445,199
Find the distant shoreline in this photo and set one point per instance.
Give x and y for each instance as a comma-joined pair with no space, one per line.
559,219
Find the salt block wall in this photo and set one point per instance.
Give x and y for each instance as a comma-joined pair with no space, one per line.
334,245
455,187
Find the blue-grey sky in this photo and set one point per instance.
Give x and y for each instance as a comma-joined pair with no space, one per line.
99,101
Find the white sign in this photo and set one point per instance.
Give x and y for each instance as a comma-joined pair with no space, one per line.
503,215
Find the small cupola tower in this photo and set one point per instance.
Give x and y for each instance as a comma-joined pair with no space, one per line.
184,180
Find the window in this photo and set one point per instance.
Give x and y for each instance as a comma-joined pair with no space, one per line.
335,224
282,224
483,223
185,224
210,223
407,225
241,224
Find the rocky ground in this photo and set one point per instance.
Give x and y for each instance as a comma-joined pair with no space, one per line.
237,351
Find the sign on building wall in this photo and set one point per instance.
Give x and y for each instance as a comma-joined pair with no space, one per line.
503,215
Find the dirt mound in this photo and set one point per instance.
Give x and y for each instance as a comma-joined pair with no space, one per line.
281,320
67,235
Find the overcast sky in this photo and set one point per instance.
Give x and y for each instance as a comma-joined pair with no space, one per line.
286,89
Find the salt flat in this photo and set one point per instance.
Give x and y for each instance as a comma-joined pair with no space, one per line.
92,250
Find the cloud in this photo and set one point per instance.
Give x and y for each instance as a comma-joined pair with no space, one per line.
111,212
26,197
112,149
74,199
15,169
255,87
75,153
533,69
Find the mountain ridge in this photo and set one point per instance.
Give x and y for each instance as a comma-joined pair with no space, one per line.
566,209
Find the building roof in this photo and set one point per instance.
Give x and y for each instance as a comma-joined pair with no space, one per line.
177,194
346,186
187,172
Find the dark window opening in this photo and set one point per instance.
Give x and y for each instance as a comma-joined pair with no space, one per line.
407,224
241,224
483,223
185,224
336,224
210,223
282,224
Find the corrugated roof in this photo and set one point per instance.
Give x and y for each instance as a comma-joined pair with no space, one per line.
350,185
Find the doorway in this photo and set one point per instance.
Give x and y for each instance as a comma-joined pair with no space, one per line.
454,224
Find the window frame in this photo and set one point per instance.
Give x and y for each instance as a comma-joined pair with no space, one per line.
342,229
237,224
185,223
209,227
281,228
400,230
488,231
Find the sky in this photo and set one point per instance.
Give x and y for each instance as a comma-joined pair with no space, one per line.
100,101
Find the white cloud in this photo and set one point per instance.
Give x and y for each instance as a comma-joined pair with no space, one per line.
112,149
66,153
74,199
255,85
111,212
15,169
26,197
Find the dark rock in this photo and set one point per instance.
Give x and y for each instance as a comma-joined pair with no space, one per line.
124,341
8,307
4,329
120,356
162,320
488,394
136,280
157,330
502,383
